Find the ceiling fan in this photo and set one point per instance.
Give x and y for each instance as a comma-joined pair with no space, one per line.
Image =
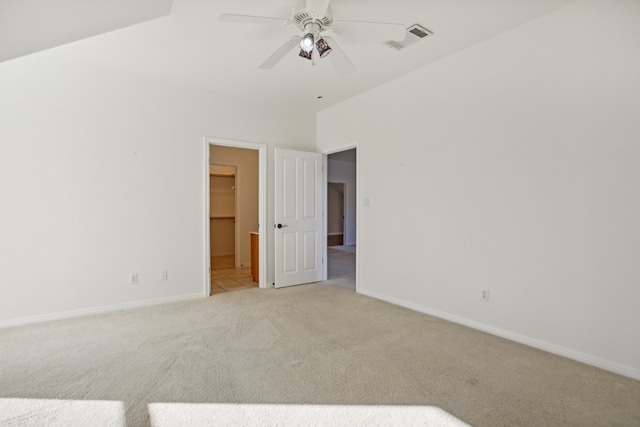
313,18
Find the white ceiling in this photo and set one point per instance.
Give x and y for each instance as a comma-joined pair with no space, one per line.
29,26
192,47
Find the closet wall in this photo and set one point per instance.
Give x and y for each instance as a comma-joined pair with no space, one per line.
222,210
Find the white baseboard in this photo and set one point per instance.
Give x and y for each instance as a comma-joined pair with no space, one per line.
97,310
608,365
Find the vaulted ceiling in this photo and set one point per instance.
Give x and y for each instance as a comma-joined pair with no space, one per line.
184,42
29,26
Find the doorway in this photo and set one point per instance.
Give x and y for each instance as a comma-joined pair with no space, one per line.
341,202
235,188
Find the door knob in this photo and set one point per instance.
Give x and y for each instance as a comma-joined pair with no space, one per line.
280,226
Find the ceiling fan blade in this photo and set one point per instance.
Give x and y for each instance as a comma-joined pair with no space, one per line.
377,32
279,54
319,7
230,17
338,58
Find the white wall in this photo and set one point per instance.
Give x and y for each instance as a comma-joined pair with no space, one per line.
102,175
514,166
345,172
335,208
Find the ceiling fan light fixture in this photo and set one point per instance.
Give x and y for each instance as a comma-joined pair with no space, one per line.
306,44
305,54
323,48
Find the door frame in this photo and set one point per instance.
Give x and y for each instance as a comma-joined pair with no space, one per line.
325,176
262,205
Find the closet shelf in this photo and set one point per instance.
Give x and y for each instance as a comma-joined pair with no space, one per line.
222,217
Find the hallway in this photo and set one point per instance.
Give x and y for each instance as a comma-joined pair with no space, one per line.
341,268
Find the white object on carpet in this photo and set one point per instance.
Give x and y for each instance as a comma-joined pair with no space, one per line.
61,413
201,415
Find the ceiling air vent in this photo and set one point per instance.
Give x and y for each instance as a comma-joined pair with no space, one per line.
414,33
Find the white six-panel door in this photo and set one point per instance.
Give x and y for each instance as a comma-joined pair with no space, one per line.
298,217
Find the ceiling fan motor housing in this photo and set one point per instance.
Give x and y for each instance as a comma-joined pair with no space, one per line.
307,19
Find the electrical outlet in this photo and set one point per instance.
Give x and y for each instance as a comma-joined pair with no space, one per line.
133,279
484,296
164,275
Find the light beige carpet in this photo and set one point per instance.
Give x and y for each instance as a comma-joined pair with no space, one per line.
341,268
205,415
345,248
308,345
60,413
